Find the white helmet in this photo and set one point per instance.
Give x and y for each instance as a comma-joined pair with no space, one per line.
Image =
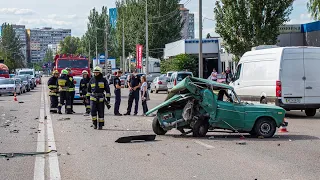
85,72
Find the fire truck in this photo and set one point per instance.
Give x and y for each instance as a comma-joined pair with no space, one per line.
76,63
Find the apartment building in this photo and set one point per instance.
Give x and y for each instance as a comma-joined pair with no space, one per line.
39,39
187,31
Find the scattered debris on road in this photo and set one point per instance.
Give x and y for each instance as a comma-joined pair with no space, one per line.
211,137
63,119
241,143
12,155
14,131
45,117
128,139
278,144
199,154
21,102
260,137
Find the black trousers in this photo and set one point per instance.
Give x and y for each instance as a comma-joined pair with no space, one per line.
65,100
97,108
72,93
134,95
144,103
117,93
54,101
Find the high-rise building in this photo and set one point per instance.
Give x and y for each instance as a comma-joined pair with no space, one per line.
20,31
187,31
41,38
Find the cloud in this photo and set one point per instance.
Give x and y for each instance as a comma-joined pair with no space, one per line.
16,11
303,18
42,22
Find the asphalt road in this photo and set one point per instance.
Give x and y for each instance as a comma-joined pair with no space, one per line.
85,153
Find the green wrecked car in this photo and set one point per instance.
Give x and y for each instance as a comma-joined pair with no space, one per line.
200,105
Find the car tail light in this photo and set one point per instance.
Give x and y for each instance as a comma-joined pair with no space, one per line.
159,82
278,88
175,82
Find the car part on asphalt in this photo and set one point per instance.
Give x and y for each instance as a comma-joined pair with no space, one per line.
12,155
129,139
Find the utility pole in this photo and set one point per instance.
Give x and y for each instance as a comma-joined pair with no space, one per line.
123,46
96,48
147,40
106,54
200,41
89,51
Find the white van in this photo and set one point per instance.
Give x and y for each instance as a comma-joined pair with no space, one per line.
286,76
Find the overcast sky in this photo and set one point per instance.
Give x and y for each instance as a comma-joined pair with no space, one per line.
73,13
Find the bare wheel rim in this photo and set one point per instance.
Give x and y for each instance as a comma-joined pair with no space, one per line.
265,128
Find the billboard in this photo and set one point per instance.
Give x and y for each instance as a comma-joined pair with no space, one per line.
139,55
0,30
113,17
288,28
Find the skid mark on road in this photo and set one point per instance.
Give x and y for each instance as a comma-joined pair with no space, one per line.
204,144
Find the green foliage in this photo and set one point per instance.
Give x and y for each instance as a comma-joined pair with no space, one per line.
70,45
244,24
10,48
313,8
164,25
180,63
49,56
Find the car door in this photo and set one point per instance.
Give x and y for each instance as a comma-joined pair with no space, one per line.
236,84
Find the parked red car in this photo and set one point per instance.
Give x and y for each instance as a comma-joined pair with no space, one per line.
38,78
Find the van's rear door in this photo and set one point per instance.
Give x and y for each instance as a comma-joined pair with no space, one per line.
292,73
312,78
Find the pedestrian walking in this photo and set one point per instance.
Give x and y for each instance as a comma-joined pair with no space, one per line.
54,91
134,90
144,94
64,83
84,91
228,75
97,86
117,92
72,89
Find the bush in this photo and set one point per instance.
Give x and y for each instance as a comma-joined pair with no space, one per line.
180,63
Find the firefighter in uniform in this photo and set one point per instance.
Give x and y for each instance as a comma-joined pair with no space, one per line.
117,92
97,85
83,91
72,88
64,83
54,91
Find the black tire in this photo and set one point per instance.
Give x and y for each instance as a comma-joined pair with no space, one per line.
310,112
200,128
263,101
157,129
157,91
265,127
151,91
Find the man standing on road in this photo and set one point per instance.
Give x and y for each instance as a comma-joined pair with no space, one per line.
117,92
64,83
134,87
71,88
54,91
84,91
97,85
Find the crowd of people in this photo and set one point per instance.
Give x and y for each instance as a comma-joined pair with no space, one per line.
96,94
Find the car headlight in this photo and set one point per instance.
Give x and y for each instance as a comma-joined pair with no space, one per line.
10,87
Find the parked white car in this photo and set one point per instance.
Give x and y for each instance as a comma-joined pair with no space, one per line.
9,86
159,84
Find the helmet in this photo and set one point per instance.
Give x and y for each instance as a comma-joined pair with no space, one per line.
97,69
85,72
55,72
68,69
64,72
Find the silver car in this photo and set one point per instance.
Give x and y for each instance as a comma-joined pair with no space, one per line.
9,86
23,88
159,84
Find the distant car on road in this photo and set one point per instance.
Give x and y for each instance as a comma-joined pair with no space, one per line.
26,81
9,86
111,78
177,77
38,78
77,97
22,85
123,79
159,84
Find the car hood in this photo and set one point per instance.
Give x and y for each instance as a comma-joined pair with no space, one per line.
251,106
6,85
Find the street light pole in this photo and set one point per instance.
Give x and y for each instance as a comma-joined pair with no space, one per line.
96,48
123,46
106,54
147,40
200,41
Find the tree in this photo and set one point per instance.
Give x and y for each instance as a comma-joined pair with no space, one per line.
48,56
244,24
313,8
10,48
70,45
208,36
180,63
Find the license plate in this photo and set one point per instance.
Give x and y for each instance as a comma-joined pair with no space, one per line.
293,100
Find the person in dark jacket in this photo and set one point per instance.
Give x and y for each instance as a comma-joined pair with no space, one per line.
54,91
117,92
96,88
64,83
72,88
134,93
84,91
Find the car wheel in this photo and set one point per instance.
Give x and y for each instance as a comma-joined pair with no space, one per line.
151,91
157,91
263,101
265,127
157,129
310,112
200,128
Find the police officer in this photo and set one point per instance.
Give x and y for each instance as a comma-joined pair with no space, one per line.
83,91
71,88
117,92
54,91
134,87
97,85
64,83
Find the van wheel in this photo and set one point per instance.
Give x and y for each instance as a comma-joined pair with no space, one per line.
263,101
265,127
310,112
157,129
200,128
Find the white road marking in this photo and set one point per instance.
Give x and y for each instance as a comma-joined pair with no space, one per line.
53,157
39,167
204,144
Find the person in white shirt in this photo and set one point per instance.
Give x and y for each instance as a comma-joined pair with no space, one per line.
213,75
144,94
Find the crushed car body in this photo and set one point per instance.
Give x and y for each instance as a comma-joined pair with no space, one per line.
199,105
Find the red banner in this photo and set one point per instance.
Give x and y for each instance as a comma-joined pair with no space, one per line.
139,55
